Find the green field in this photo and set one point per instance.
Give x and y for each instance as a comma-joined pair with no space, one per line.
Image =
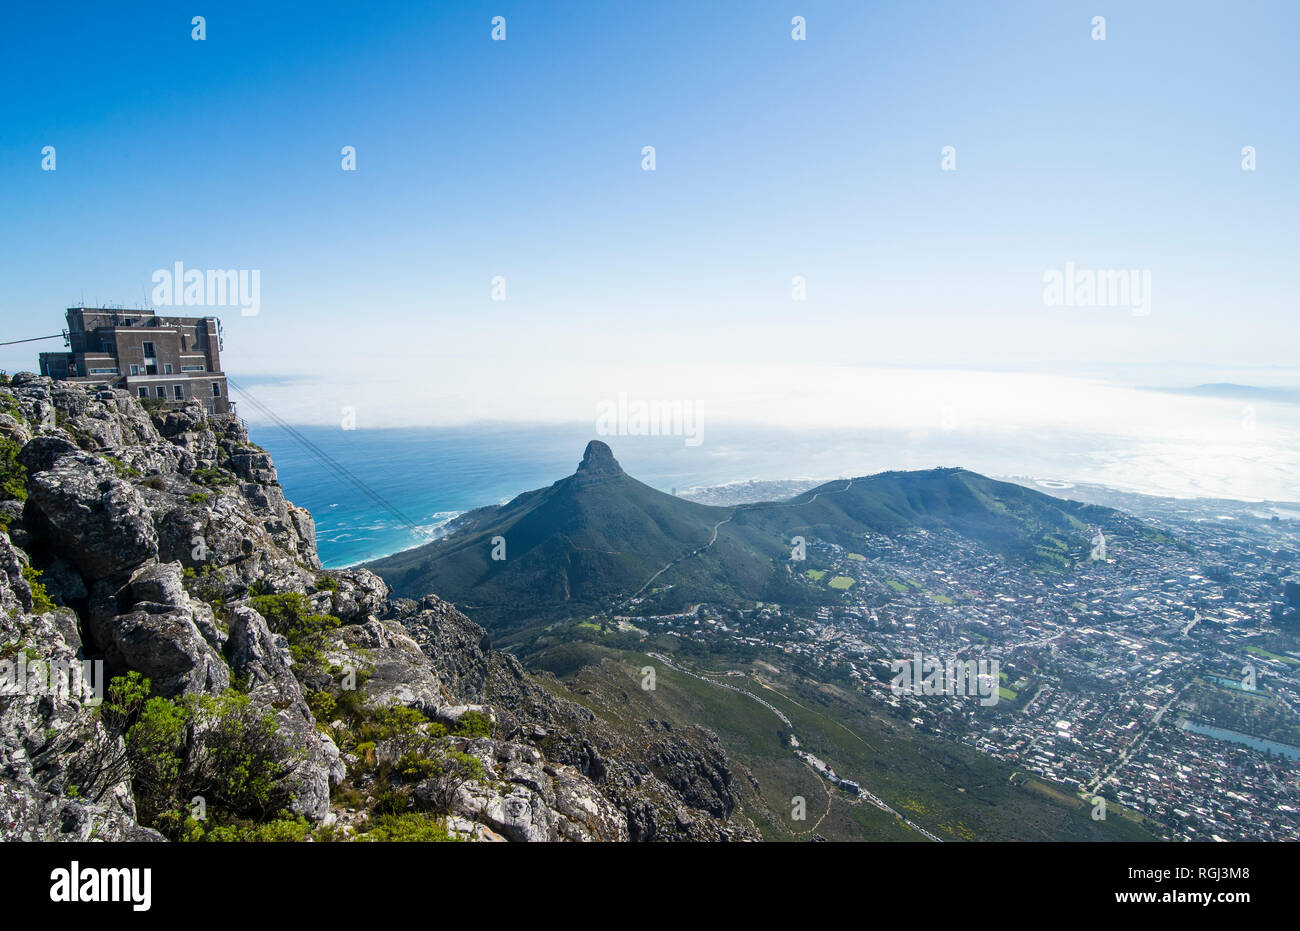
841,582
1289,660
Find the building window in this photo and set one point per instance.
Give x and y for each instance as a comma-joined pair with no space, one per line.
216,389
167,368
148,350
162,392
103,371
135,370
178,391
193,368
143,392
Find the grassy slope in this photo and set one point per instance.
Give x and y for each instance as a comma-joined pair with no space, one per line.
955,792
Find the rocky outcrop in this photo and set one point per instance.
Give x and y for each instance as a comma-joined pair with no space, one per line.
90,517
148,541
525,798
62,775
670,785
397,670
262,660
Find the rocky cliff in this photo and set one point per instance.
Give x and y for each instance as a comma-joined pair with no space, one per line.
249,694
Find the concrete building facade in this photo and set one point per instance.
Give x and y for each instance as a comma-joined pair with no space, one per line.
152,356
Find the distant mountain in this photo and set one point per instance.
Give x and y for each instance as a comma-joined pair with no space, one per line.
1228,391
575,544
598,537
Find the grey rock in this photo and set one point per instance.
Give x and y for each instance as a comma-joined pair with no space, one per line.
399,671
163,643
525,798
42,452
159,582
92,518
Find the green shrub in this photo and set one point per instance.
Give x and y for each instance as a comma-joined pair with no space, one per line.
121,468
473,724
410,827
197,498
322,705
287,614
221,748
41,603
13,474
155,748
213,478
392,802
278,831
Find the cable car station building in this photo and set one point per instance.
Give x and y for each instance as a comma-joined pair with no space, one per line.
172,358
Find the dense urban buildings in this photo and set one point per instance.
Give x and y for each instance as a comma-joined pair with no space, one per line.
1162,675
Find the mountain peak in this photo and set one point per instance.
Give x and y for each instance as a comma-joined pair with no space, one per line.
598,460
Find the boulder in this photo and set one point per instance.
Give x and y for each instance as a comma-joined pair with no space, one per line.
399,671
525,798
163,643
42,452
95,520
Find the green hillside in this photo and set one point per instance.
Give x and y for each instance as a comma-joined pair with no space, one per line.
593,540
954,792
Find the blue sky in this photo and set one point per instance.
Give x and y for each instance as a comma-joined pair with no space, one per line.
775,158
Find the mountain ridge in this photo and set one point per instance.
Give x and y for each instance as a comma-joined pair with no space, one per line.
597,536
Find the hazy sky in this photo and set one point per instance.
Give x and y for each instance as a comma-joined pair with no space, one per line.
775,158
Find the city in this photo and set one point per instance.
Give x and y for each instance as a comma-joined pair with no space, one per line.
1157,677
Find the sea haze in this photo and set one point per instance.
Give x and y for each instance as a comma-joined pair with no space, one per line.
426,476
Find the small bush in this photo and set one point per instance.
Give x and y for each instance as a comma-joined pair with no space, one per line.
287,614
213,478
392,802
41,603
13,474
121,468
322,705
279,831
473,724
406,828
221,748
